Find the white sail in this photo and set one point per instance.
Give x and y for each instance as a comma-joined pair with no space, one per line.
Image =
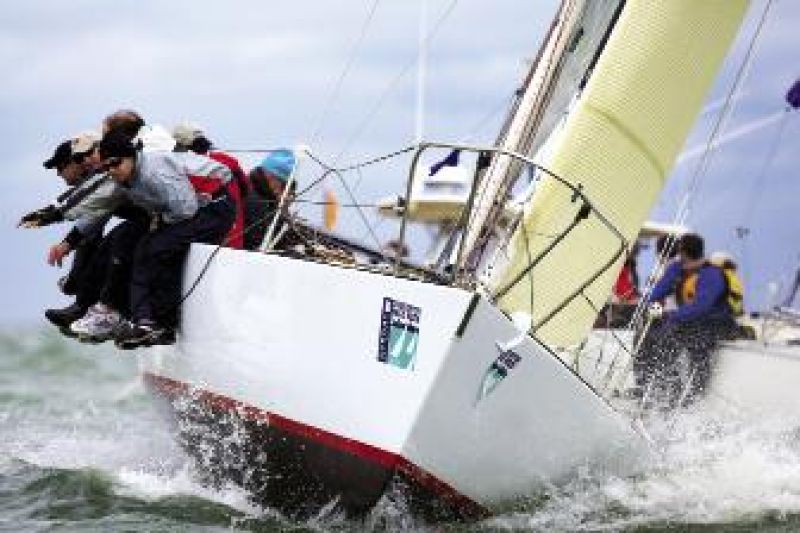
617,146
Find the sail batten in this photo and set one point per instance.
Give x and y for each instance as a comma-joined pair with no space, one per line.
618,145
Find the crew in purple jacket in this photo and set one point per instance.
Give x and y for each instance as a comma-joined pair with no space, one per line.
703,318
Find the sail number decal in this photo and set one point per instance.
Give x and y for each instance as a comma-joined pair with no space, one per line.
399,333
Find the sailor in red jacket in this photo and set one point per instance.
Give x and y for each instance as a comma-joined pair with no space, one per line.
191,137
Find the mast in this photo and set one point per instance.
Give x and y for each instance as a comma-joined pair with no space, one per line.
517,137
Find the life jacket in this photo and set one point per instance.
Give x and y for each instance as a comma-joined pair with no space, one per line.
733,294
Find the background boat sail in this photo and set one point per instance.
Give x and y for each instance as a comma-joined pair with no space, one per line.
310,381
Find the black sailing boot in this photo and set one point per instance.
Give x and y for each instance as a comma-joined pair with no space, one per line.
62,318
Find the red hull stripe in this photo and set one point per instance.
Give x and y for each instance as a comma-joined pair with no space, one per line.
362,450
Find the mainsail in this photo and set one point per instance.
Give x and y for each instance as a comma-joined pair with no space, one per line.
617,146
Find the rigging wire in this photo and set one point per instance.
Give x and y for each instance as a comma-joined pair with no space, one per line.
732,97
391,86
339,174
326,109
472,132
329,169
701,169
328,202
757,190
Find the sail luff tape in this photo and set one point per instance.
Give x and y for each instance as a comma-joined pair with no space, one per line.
630,136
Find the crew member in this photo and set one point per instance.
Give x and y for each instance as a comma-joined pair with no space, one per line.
76,163
160,182
268,182
703,317
106,291
190,137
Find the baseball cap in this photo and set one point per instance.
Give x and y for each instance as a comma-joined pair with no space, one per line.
60,157
186,132
84,142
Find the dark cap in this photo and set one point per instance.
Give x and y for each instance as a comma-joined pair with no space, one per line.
116,143
60,157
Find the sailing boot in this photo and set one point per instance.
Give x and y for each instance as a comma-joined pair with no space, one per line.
141,334
62,318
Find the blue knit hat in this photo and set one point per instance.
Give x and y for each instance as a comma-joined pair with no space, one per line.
279,163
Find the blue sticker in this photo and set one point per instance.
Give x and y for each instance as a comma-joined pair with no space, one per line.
399,334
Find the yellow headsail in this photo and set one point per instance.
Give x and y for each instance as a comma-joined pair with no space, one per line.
618,145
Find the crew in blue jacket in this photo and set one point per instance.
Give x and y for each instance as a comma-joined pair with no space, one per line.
703,318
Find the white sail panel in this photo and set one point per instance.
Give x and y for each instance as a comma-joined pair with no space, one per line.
618,146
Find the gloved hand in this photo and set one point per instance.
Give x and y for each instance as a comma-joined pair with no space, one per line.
655,311
41,217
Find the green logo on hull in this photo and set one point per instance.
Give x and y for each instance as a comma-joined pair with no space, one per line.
399,334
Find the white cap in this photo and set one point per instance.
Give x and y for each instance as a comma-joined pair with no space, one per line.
186,132
84,142
155,138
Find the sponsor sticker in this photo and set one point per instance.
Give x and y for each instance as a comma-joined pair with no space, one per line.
498,370
399,334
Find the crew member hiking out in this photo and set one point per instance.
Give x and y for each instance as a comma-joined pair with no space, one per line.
76,163
190,137
106,286
703,318
160,182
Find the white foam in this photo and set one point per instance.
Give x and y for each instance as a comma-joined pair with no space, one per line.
150,486
709,470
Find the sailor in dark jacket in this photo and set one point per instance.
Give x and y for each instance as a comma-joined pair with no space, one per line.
74,161
703,318
268,182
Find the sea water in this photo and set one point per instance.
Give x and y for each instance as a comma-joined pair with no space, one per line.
82,448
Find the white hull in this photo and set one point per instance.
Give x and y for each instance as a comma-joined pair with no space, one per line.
753,378
295,345
758,380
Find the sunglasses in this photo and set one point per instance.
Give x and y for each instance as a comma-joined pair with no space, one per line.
112,162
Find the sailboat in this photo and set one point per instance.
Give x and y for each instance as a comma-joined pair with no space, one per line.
315,382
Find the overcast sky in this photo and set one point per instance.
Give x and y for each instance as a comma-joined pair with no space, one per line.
261,74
